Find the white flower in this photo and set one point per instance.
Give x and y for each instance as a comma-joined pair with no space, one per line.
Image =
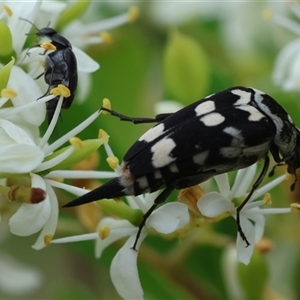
252,219
286,71
22,154
165,219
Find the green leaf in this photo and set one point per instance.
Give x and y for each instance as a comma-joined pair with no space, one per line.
186,68
72,12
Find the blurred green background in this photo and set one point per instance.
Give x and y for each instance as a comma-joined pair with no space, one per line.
144,65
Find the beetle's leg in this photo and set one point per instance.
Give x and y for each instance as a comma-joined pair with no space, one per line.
162,197
254,187
157,118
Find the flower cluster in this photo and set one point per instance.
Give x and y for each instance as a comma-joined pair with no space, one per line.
30,166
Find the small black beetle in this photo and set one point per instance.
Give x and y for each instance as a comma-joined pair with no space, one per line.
60,68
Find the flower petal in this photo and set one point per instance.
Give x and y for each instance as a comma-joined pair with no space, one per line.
244,253
123,270
28,91
118,230
51,221
84,62
213,204
169,217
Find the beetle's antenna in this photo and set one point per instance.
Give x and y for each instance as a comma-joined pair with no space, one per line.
23,19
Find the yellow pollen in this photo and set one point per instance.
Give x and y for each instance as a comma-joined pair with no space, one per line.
133,14
48,46
112,162
106,37
289,176
267,199
8,93
8,10
61,90
76,142
102,134
295,207
267,14
104,232
47,239
106,104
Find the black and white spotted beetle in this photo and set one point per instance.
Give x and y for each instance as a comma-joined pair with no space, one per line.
226,131
60,67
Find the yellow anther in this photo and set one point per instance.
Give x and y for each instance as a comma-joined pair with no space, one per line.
8,93
267,199
76,142
267,14
61,90
112,162
106,104
295,207
8,10
47,239
133,14
190,197
47,46
104,232
106,37
102,134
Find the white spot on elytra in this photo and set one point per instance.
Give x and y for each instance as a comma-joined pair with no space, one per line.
255,115
153,133
161,152
212,119
205,108
173,168
200,157
245,97
237,137
143,182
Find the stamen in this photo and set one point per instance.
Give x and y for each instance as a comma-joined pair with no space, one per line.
104,232
8,93
133,14
113,162
61,90
47,46
47,239
267,14
106,37
267,199
102,134
55,161
295,207
42,143
71,133
8,10
106,104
